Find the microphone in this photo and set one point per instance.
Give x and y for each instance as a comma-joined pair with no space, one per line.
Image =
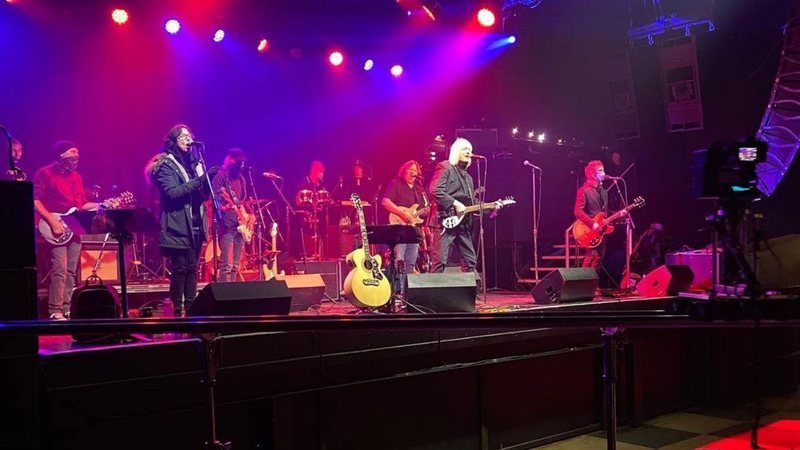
195,144
528,163
247,168
476,156
272,176
609,177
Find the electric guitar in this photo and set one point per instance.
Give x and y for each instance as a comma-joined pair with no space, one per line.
71,225
586,237
415,212
365,285
271,272
246,221
453,218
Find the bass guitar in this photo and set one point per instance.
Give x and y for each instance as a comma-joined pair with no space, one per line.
71,225
414,210
586,237
453,218
365,286
246,221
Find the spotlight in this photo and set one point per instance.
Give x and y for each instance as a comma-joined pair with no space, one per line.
514,131
486,17
119,16
11,1
541,137
396,70
219,35
263,45
512,39
336,59
172,26
368,64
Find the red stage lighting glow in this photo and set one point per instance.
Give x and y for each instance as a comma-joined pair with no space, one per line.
263,45
119,16
486,17
172,26
336,58
396,70
11,1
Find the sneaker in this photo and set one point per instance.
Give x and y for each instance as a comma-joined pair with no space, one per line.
66,314
57,316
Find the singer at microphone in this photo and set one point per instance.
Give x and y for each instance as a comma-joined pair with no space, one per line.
477,156
609,177
272,176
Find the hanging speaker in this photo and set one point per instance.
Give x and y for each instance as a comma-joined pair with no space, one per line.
242,299
566,285
665,280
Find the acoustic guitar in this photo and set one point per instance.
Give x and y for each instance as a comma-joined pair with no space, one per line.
586,237
71,225
365,286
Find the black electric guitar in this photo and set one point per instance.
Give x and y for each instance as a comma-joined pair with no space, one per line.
365,285
71,225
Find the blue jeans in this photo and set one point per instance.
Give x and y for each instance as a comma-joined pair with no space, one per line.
231,244
64,263
408,254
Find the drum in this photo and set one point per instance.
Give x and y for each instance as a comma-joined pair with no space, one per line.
304,198
323,198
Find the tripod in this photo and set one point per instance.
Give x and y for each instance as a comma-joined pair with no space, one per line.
139,269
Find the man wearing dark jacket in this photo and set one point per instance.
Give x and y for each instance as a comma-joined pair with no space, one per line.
182,186
451,189
590,200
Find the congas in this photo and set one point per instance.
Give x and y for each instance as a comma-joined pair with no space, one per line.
304,197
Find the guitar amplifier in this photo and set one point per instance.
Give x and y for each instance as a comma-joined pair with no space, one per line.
107,268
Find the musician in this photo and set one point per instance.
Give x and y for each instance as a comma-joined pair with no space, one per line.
313,182
405,191
451,188
16,154
231,242
178,175
312,196
58,187
591,199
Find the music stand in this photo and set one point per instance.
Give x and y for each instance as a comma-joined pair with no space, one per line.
392,235
121,223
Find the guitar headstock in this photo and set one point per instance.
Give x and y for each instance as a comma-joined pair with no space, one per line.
505,201
356,200
638,202
123,199
273,231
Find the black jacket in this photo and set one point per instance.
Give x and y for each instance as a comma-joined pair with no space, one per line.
448,184
178,192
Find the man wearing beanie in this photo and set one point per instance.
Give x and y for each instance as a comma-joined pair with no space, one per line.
58,187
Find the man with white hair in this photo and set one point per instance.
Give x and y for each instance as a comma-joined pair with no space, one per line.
451,189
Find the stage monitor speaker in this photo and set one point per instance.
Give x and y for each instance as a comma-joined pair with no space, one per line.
566,285
665,280
442,292
307,290
242,299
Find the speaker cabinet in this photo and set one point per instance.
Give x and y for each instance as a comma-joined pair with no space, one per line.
566,285
16,234
332,272
665,280
442,292
307,290
242,299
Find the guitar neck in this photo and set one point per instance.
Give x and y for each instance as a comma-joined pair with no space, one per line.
618,214
363,228
479,207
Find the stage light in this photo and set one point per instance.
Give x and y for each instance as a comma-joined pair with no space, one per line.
512,39
219,35
263,45
541,137
514,131
396,70
172,26
336,59
531,134
119,16
11,1
486,17
368,64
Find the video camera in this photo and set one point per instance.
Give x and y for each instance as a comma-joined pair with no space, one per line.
727,170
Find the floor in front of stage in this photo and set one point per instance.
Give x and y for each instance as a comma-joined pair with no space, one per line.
494,301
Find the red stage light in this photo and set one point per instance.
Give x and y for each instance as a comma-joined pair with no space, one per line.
396,70
119,16
263,45
11,1
486,17
336,58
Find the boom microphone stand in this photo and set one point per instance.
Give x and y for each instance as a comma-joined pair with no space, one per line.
629,225
217,213
534,207
481,190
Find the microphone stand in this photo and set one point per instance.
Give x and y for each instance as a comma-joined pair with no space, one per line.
534,204
215,214
290,213
629,225
481,188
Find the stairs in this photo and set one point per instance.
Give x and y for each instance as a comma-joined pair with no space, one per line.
556,259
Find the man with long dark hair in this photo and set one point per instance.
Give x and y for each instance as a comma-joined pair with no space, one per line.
182,187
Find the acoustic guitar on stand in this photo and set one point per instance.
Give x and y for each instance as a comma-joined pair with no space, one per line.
586,237
71,225
365,286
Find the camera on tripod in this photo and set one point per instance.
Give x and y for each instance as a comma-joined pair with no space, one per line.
727,170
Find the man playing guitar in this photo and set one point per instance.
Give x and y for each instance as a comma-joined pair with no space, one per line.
231,190
591,199
407,203
58,187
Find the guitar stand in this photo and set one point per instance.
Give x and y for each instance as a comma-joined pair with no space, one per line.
399,287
